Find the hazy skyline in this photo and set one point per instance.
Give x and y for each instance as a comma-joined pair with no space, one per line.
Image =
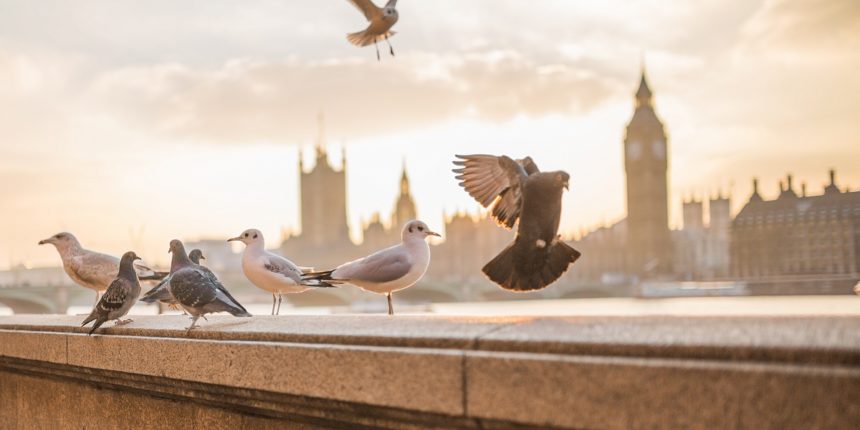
185,119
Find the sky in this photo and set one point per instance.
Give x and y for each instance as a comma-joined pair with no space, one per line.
133,123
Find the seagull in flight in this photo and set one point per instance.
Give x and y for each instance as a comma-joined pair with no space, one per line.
269,271
392,269
381,20
519,192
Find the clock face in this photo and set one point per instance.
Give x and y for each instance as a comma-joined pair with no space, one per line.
634,149
659,149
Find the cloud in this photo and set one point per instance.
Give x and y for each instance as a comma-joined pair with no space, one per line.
246,100
806,29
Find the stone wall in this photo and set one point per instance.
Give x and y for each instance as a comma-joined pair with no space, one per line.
432,372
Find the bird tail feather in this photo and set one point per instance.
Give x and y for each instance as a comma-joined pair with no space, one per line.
154,276
319,279
98,321
541,269
157,293
362,38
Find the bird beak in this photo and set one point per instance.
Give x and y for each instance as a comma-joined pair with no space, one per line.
137,258
234,239
43,241
202,257
566,185
433,233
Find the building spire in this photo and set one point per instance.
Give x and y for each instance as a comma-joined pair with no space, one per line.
404,181
643,94
755,195
831,188
320,144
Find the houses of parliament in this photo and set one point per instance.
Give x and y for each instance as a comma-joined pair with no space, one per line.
793,235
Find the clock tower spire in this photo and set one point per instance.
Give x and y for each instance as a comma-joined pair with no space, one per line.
646,165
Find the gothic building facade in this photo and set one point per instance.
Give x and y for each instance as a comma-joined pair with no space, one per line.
797,234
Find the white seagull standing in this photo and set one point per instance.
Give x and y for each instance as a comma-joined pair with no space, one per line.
389,270
381,20
91,269
269,271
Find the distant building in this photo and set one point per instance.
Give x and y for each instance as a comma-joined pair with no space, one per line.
646,162
702,251
797,235
324,241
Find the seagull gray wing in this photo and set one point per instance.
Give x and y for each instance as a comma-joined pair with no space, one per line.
367,7
495,182
384,266
281,266
94,268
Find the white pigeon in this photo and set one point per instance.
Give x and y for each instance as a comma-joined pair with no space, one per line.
392,269
91,269
269,271
381,20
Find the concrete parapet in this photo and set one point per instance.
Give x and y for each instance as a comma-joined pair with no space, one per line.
432,371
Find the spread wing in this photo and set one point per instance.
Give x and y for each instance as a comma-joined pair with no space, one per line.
367,7
383,266
95,269
496,182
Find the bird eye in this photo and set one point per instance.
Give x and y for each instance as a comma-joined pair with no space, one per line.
420,228
57,236
246,234
255,235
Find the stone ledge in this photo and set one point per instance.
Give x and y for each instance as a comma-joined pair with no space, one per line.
407,371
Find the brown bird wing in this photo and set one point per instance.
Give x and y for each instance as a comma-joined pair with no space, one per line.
495,182
367,7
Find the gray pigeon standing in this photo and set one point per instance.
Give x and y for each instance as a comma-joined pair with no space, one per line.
198,291
119,297
161,293
518,190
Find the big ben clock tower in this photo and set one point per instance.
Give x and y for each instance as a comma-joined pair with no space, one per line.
646,165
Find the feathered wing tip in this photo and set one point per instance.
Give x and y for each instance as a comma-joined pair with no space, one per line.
98,321
154,276
362,38
156,293
319,279
503,271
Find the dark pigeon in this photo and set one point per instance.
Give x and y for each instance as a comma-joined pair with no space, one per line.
161,293
119,296
518,191
197,289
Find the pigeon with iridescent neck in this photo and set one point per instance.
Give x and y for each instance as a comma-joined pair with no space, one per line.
198,291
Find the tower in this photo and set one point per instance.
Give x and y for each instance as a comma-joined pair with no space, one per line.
693,214
646,164
404,209
323,199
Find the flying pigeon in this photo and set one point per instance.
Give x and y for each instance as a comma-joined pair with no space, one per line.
389,270
92,269
269,271
161,293
119,297
198,291
518,190
381,20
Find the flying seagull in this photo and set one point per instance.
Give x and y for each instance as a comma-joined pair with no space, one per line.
198,291
269,271
518,190
389,270
161,292
381,20
92,269
119,297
